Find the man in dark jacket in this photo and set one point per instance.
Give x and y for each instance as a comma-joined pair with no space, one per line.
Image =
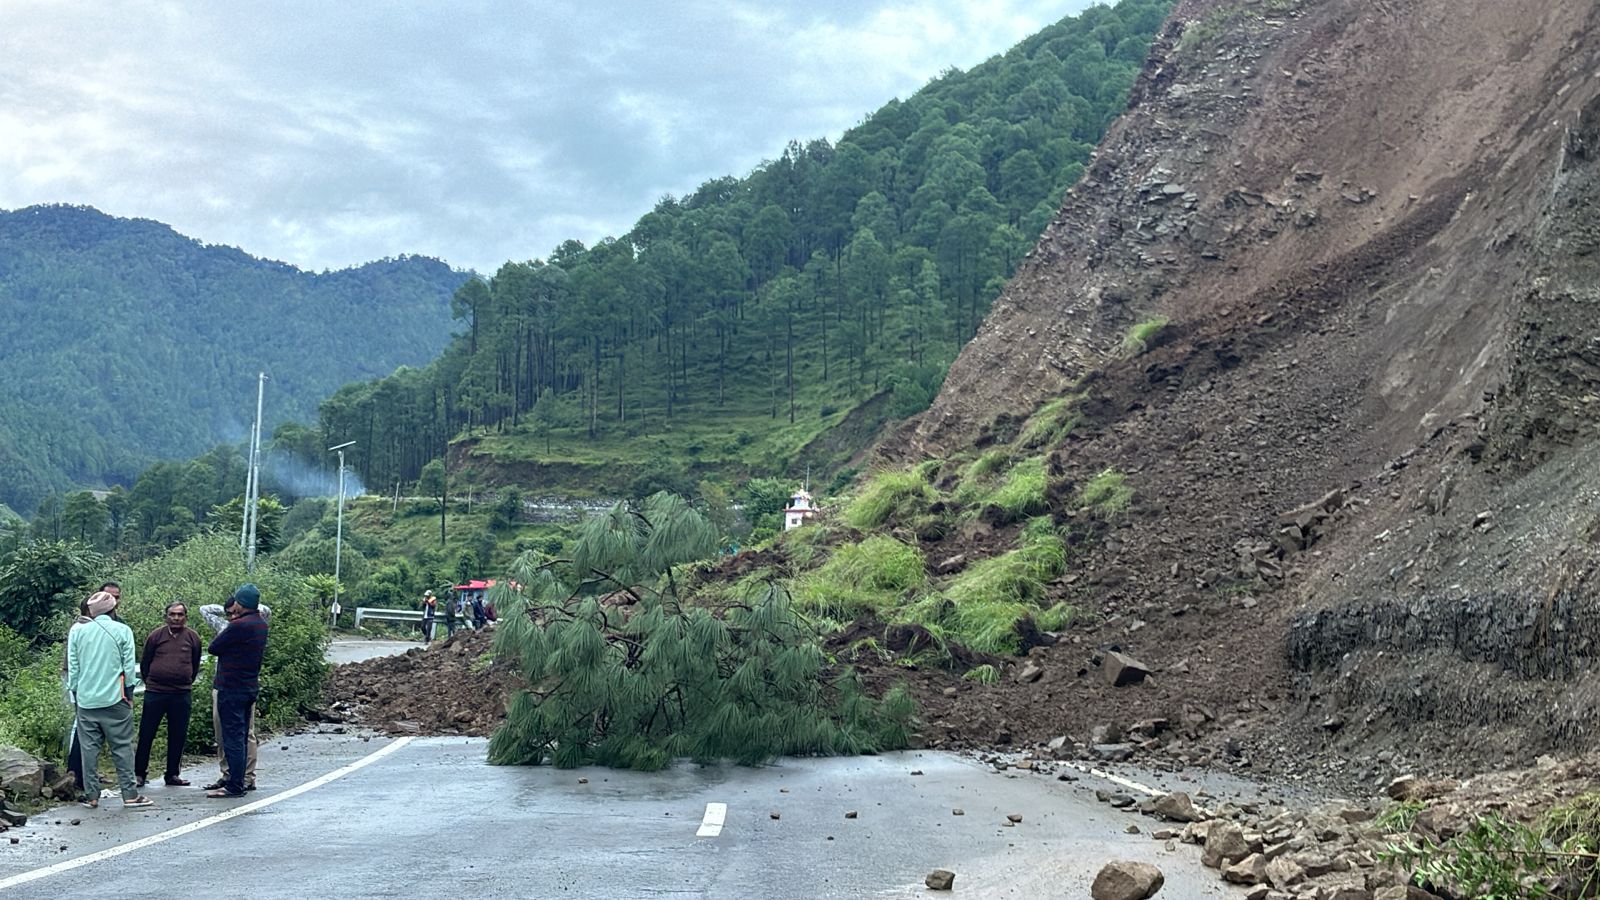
168,665
239,649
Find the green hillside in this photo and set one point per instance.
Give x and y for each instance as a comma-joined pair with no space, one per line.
732,327
124,342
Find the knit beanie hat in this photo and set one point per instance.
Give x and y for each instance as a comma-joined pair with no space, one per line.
101,603
247,596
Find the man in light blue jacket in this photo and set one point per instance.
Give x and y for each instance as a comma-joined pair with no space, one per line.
101,675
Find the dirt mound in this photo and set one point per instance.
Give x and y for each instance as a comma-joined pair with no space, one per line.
452,687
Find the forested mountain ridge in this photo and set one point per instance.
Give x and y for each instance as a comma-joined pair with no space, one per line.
732,326
124,342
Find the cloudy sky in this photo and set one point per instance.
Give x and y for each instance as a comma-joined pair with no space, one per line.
326,134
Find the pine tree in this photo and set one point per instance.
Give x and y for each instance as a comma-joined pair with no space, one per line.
623,672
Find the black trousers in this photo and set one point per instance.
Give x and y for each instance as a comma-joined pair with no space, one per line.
175,709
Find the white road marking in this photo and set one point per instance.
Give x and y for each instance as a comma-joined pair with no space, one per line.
710,826
1117,779
181,830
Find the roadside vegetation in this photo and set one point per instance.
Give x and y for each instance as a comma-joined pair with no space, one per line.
626,671
1555,855
35,715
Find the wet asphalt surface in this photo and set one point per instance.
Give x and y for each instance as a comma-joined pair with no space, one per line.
430,818
349,651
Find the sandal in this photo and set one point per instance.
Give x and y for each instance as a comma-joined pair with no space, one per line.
89,804
175,781
217,785
140,800
224,795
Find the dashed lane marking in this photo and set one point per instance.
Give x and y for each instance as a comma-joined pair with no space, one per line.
1117,779
181,830
711,825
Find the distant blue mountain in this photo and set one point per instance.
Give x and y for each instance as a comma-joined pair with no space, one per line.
123,342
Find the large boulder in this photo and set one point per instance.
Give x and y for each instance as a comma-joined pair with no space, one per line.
1124,880
1176,807
1225,844
20,773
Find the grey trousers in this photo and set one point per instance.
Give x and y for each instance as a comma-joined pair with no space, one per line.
110,726
250,745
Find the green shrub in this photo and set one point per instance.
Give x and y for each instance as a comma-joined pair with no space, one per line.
14,653
1107,494
1497,859
890,495
42,582
978,478
1018,575
989,625
1056,617
206,569
34,713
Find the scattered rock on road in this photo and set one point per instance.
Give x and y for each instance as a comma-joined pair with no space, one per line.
20,774
940,880
1124,880
1176,807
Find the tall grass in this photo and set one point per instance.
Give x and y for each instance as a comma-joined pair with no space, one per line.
1140,336
890,495
1051,423
873,576
1022,494
1106,494
981,607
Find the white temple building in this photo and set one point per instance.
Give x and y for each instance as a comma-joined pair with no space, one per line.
799,510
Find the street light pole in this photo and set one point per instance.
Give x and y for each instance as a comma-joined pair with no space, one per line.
338,538
252,485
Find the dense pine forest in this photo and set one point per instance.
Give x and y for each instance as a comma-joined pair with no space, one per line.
124,342
732,325
824,292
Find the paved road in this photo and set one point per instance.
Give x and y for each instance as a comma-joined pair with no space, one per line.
428,818
350,651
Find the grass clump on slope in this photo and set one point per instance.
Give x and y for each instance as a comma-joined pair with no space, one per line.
1052,422
873,576
981,607
1106,494
1021,495
895,495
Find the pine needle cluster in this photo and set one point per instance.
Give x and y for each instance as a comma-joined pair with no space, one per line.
623,673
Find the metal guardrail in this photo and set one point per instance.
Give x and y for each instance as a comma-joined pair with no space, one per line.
402,615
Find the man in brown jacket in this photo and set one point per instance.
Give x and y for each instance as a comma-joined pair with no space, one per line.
169,664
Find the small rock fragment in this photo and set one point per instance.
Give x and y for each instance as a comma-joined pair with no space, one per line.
940,880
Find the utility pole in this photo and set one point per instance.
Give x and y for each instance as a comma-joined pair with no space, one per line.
252,487
338,535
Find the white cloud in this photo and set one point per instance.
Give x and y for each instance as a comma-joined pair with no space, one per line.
327,135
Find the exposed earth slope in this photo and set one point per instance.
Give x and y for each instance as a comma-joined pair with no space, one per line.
1362,448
